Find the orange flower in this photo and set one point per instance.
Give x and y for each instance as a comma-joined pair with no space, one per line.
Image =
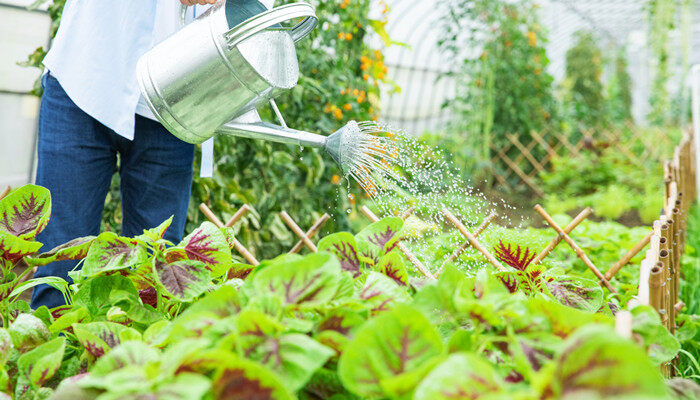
365,77
348,36
341,35
378,55
355,92
335,179
337,113
347,106
532,38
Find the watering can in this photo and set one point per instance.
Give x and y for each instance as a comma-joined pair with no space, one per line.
210,76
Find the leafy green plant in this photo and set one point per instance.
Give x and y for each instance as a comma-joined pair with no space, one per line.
24,213
507,88
584,68
351,321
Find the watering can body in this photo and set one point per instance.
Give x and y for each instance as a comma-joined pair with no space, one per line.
222,66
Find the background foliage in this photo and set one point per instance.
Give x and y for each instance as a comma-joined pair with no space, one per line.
583,83
502,82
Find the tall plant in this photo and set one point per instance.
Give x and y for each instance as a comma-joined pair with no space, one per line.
502,83
662,22
584,68
620,91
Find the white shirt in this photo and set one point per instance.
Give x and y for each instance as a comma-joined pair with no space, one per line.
95,52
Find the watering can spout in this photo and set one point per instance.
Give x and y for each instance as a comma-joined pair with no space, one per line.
250,126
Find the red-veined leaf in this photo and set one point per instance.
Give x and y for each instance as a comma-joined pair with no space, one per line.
75,249
183,280
25,212
344,247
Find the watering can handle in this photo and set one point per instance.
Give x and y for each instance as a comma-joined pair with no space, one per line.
270,17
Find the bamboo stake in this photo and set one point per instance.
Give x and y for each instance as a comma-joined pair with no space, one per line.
408,212
238,215
474,242
297,231
579,252
5,192
666,289
466,244
311,232
570,227
627,257
415,261
656,280
210,215
671,263
236,244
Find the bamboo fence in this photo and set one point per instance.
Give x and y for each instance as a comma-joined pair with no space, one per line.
661,268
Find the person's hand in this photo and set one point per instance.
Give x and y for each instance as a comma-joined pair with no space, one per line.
193,2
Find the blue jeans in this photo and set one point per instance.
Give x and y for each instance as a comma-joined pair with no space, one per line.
77,157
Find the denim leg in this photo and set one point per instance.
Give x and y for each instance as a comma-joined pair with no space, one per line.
156,179
76,159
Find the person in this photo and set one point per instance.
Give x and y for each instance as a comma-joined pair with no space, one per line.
92,113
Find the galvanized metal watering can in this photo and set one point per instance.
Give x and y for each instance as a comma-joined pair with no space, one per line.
210,76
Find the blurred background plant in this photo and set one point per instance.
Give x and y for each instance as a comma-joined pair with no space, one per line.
584,100
502,81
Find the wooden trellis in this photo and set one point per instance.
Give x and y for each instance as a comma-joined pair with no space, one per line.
524,159
242,250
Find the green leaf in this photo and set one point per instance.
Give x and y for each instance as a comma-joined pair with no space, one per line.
76,314
597,363
380,28
312,280
100,293
5,346
380,293
98,338
294,357
660,344
383,234
25,211
584,294
401,343
129,353
110,252
183,280
564,320
28,332
13,248
153,235
55,282
40,364
462,375
240,379
206,244
75,249
392,265
240,271
344,247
